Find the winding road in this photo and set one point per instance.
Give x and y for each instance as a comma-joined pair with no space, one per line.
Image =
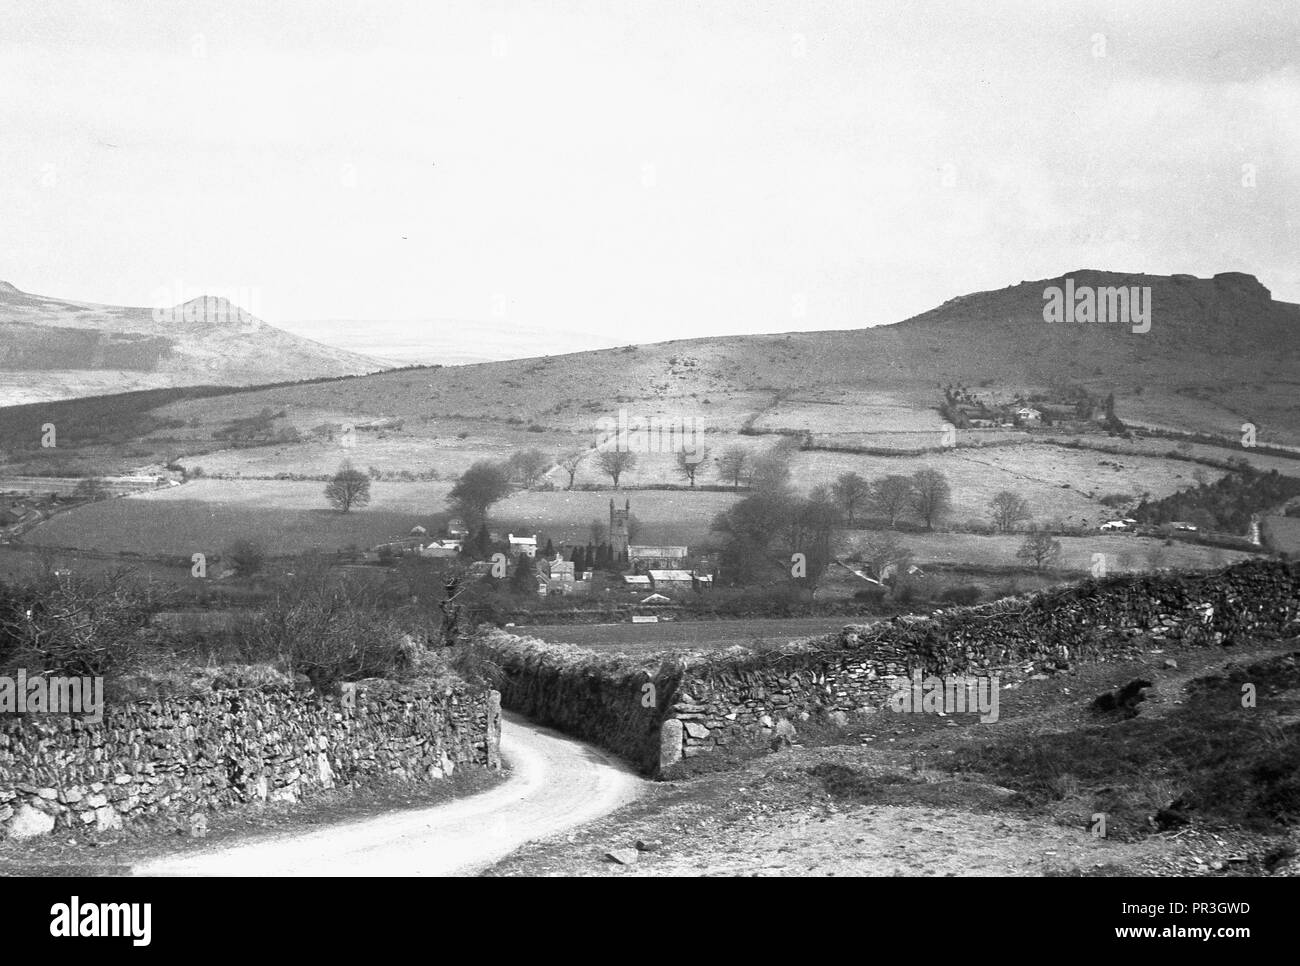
556,783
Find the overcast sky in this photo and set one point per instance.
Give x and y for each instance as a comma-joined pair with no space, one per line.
640,171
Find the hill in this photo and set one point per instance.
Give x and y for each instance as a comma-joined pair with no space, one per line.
1219,352
53,348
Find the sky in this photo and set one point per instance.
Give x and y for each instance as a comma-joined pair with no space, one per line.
616,172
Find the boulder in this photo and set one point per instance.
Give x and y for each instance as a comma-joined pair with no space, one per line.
670,742
29,822
107,819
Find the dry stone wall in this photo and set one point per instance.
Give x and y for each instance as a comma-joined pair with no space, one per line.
857,670
227,748
609,701
708,702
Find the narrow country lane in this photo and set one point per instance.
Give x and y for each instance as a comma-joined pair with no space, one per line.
557,783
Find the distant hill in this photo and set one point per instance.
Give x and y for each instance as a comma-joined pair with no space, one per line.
1219,351
53,348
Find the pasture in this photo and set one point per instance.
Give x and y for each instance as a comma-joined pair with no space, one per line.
290,517
1123,552
686,635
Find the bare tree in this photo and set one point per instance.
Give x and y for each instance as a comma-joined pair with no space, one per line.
616,462
348,488
570,462
689,464
1040,548
891,495
733,464
771,470
528,466
850,491
931,495
1008,509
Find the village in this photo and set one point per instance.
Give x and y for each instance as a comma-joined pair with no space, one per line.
610,567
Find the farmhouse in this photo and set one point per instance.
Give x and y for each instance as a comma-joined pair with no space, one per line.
1029,414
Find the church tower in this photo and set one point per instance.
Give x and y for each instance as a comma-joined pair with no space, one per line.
618,527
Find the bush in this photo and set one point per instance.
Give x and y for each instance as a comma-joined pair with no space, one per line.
73,625
320,625
246,557
870,595
964,596
906,592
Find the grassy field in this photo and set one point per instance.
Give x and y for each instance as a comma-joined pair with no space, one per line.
1124,552
686,635
1057,483
291,517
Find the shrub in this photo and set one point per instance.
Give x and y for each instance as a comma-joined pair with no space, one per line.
246,557
870,595
321,626
74,625
964,595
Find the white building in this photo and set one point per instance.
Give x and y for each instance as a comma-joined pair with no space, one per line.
525,545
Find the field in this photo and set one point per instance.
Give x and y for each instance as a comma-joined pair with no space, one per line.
685,635
1123,552
291,517
1057,483
874,388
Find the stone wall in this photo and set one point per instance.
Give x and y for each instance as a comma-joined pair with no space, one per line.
759,698
612,701
220,749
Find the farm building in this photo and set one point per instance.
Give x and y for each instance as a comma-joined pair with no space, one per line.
658,558
681,579
555,576
636,580
441,548
524,545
